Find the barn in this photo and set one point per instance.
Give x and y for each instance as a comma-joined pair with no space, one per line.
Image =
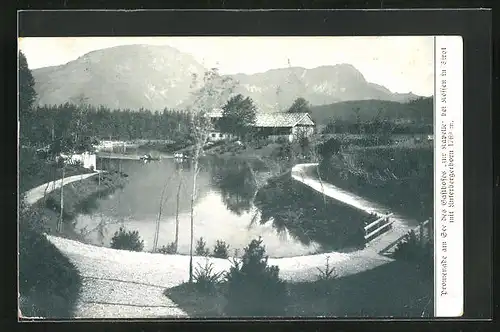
289,126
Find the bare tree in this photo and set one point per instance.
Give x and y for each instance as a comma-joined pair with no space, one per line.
212,94
60,222
177,211
162,200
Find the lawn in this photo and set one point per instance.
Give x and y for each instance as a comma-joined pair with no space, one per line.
365,294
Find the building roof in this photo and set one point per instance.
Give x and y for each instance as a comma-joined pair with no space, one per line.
282,119
271,120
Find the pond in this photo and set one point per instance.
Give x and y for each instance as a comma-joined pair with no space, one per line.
231,204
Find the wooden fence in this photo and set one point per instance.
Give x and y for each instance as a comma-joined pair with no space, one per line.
378,227
423,230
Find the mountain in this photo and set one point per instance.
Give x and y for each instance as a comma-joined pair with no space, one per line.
158,77
277,89
131,76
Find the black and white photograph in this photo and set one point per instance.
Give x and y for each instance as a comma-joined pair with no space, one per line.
225,177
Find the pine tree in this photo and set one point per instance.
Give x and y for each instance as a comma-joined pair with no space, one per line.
27,97
27,93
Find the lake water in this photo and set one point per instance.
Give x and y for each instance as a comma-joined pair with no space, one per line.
224,208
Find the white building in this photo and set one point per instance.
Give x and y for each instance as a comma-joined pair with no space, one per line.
88,160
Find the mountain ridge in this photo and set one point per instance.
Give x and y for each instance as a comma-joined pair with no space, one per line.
157,77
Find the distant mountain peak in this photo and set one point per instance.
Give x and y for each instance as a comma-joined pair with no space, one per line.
156,77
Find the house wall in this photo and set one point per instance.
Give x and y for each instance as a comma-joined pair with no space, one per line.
88,160
215,136
276,133
302,131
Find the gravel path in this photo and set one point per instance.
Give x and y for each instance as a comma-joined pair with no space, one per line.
125,284
35,194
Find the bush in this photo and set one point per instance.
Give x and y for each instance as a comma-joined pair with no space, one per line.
201,248
328,272
324,277
205,278
412,250
127,240
254,288
168,249
221,249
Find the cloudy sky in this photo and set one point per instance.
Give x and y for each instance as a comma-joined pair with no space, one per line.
401,64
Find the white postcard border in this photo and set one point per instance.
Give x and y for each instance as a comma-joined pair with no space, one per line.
448,177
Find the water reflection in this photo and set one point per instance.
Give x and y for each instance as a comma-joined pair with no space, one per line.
309,217
236,182
232,203
224,208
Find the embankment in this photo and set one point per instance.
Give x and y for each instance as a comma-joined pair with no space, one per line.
310,216
49,283
34,170
80,197
400,178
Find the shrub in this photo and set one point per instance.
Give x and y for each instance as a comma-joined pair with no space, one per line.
412,250
201,248
408,248
328,272
221,249
324,277
168,249
254,288
205,278
127,240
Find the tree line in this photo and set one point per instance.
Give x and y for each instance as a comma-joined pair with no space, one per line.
46,124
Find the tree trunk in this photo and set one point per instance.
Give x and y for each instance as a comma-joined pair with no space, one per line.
157,230
48,183
101,222
193,197
60,224
177,214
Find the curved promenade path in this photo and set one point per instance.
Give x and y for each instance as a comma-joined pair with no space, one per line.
125,284
307,174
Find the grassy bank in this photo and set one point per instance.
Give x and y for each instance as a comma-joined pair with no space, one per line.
79,197
35,171
48,282
277,156
400,178
366,294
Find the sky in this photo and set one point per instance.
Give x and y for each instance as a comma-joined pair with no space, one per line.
402,64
